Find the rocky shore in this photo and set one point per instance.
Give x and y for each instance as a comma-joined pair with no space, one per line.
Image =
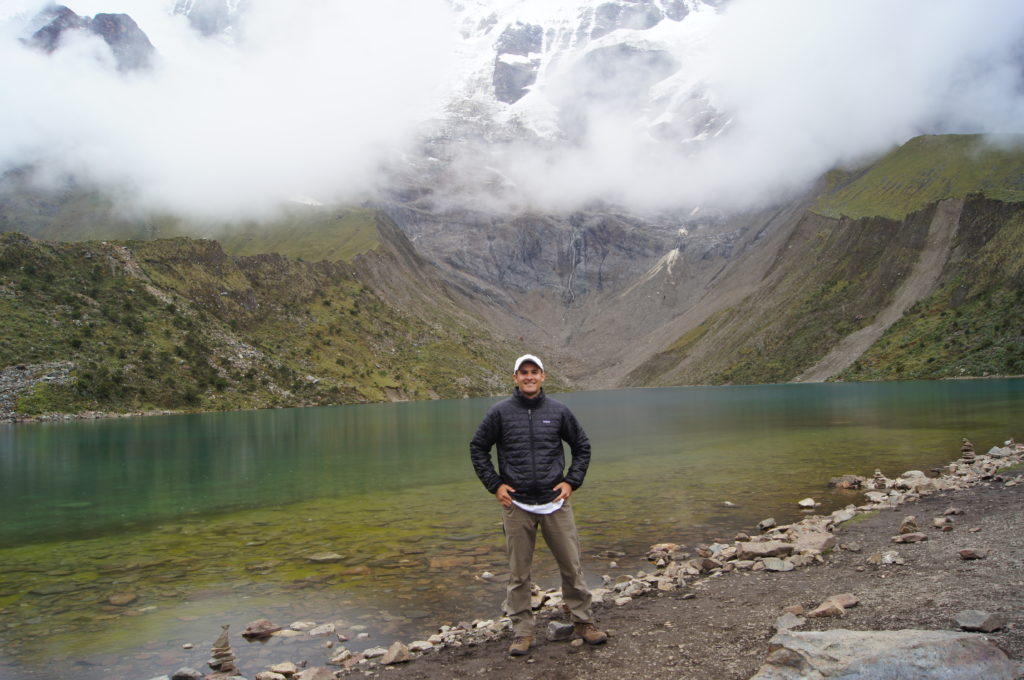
920,579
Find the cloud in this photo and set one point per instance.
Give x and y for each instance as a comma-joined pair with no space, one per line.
313,99
307,101
799,86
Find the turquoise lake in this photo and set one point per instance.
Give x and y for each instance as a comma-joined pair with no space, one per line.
204,520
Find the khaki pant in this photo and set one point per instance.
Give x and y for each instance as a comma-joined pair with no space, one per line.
559,531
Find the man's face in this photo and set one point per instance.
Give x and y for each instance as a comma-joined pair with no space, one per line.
529,378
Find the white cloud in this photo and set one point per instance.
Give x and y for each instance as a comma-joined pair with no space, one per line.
806,84
312,98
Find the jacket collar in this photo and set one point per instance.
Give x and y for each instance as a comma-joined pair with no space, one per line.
528,402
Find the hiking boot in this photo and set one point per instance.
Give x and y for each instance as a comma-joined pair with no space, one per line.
521,645
590,633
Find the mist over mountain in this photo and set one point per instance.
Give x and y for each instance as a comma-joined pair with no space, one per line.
503,105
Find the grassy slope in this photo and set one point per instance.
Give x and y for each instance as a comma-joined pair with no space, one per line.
306,233
76,213
973,324
928,169
179,324
835,275
830,280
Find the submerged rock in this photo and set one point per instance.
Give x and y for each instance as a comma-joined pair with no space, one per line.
122,599
259,629
186,674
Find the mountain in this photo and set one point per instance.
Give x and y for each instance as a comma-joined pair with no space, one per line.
330,305
130,46
180,324
590,182
548,65
796,291
924,287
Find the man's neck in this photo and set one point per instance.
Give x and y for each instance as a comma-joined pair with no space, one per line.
535,398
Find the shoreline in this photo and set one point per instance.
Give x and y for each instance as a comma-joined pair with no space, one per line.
8,396
679,579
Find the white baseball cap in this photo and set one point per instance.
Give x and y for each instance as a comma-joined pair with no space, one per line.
530,358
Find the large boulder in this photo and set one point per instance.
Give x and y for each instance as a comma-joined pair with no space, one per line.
884,655
815,540
755,550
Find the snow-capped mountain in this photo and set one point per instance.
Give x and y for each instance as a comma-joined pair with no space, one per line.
546,72
552,66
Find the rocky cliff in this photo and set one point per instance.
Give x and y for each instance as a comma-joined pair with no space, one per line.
797,291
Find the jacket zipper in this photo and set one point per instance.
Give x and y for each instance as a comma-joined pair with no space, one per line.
533,448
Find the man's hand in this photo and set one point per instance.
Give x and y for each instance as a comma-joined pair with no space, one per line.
564,491
503,494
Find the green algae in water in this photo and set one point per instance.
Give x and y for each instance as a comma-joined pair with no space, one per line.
233,567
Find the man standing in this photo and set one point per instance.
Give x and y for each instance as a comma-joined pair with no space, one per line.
533,488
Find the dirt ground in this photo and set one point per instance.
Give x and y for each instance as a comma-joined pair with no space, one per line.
723,631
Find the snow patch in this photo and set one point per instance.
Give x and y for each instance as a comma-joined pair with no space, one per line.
664,264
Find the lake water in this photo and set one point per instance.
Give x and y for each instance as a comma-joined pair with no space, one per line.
200,520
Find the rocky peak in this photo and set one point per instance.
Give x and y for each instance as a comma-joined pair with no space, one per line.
611,16
130,45
514,69
210,17
56,19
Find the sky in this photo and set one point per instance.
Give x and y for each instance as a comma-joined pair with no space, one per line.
313,99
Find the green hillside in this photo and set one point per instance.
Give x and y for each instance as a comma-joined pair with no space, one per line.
925,170
973,325
179,324
844,261
81,213
72,213
830,279
304,233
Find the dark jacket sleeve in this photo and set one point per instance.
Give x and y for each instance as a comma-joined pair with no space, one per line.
480,450
579,445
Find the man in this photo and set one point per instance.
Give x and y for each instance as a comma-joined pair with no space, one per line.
533,488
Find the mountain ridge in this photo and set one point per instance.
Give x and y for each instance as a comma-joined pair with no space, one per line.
178,324
430,303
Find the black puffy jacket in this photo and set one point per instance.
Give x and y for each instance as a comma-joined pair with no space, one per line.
529,434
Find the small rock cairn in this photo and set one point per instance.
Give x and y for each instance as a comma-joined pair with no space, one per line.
879,479
222,657
967,455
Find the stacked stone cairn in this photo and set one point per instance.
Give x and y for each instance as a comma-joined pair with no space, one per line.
967,455
879,480
222,657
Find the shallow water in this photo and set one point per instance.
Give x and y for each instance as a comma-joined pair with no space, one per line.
209,519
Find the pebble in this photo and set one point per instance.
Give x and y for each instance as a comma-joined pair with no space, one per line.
973,554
